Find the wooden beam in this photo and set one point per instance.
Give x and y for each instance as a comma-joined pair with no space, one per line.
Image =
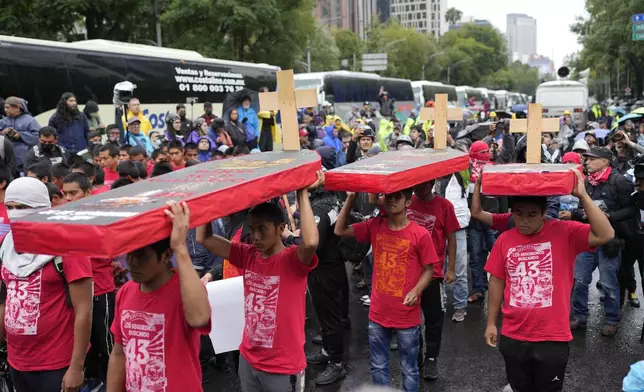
440,114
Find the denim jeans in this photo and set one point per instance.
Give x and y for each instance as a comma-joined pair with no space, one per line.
479,243
380,349
585,264
459,286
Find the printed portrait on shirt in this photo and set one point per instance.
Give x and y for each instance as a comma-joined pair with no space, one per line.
529,268
261,294
390,264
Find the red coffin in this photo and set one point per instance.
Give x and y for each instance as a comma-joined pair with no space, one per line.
521,179
395,170
128,218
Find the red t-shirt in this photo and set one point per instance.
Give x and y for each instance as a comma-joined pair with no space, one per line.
161,349
501,222
100,189
103,276
538,275
175,167
110,177
399,258
37,320
439,218
149,168
275,298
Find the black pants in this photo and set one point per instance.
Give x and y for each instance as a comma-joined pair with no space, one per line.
266,139
206,351
434,313
101,340
326,283
45,381
627,284
534,366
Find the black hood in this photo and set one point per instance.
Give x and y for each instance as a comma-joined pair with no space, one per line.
329,157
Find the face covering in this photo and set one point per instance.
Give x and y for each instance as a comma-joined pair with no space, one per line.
47,147
17,214
156,144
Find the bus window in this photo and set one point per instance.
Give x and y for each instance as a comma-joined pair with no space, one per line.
90,74
9,85
41,75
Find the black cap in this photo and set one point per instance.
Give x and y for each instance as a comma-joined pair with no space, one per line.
181,106
639,171
599,152
207,104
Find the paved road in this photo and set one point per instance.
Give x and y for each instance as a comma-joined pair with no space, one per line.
466,364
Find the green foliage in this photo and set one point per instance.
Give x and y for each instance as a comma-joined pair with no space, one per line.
349,44
606,36
453,16
325,55
517,77
44,19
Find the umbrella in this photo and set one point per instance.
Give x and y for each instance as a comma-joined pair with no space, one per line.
519,108
631,116
638,111
599,133
475,131
503,114
617,110
234,100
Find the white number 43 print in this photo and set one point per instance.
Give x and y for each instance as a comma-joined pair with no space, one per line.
530,269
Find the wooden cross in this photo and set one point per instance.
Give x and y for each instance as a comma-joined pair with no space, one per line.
534,126
440,114
287,100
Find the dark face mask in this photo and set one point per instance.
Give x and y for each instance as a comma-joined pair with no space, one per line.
47,147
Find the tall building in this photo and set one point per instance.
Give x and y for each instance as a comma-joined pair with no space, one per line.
426,16
354,15
478,22
545,66
383,8
521,36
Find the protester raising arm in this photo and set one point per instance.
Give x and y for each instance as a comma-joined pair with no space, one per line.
477,211
601,230
193,295
342,227
308,229
215,244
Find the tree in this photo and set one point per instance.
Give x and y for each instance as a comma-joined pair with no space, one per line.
481,49
44,19
407,50
453,16
349,45
268,31
325,55
517,77
607,42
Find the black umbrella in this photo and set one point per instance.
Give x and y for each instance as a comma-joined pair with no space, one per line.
234,100
475,131
503,114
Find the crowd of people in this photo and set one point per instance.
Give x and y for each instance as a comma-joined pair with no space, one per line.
145,316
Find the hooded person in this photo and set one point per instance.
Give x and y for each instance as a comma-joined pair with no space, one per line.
331,139
91,112
19,127
49,316
205,147
328,282
235,128
248,117
479,157
218,133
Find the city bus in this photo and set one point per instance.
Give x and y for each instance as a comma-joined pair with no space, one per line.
425,91
558,96
41,71
346,90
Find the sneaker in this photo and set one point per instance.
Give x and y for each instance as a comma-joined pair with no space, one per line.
576,323
364,297
319,358
333,372
367,302
459,315
609,329
633,300
430,369
317,339
507,388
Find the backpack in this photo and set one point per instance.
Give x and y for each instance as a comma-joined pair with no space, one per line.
58,266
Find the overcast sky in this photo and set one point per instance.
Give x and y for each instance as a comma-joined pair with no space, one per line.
554,18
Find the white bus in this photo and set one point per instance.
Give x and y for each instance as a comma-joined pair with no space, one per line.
425,91
41,71
560,95
346,90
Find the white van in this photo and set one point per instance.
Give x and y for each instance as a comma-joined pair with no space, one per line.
558,96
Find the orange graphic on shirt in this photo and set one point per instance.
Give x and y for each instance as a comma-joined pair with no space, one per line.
390,264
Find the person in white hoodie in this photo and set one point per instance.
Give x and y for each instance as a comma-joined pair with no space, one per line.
454,189
46,303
